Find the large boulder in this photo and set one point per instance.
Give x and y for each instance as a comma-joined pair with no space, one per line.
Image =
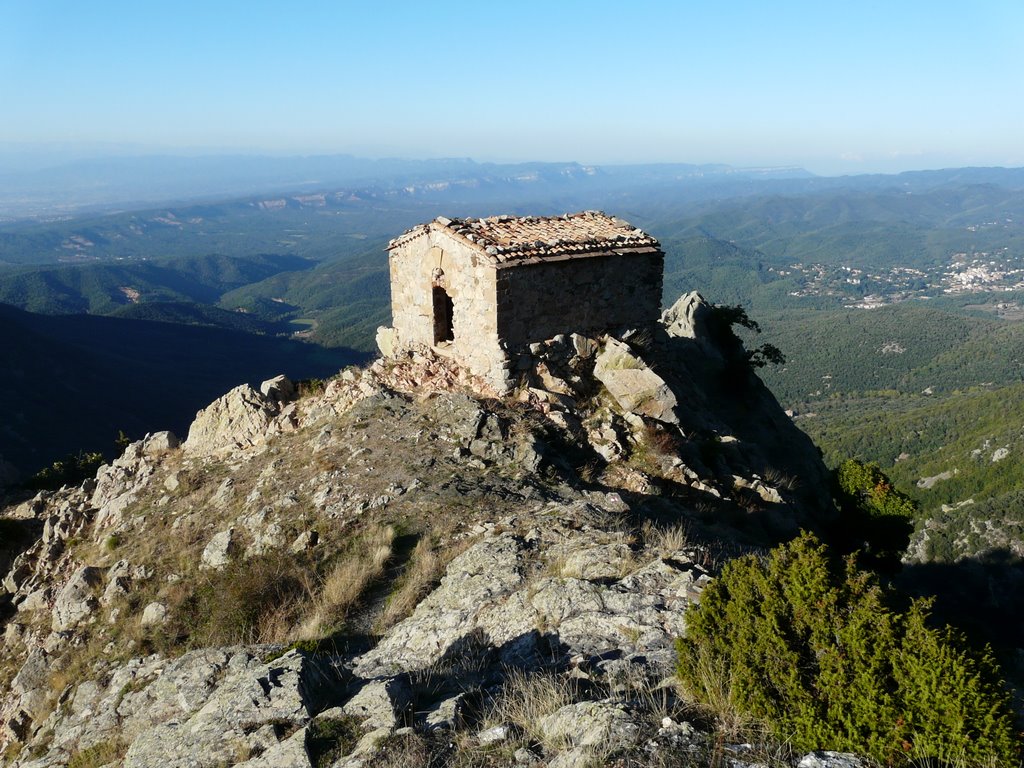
222,547
279,389
239,419
687,318
635,387
486,598
221,703
77,601
600,725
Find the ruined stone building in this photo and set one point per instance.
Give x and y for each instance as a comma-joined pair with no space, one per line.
482,290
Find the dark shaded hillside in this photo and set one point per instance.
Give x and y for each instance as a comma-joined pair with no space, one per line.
342,301
71,382
187,313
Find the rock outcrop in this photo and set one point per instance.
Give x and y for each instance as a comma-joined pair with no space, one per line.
317,580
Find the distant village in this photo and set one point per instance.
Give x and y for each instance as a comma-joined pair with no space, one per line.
965,273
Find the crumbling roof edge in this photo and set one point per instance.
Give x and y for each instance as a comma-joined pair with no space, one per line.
474,233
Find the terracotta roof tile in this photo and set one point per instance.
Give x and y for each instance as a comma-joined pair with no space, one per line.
520,238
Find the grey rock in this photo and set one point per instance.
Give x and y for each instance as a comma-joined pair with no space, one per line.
219,551
445,715
159,443
237,420
304,541
604,725
279,389
290,753
153,614
201,705
825,759
224,493
474,582
383,703
76,601
494,735
387,341
687,318
524,756
584,347
634,386
32,682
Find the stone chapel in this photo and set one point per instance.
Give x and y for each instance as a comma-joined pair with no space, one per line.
482,290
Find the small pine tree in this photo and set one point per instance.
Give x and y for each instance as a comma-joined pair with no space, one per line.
813,650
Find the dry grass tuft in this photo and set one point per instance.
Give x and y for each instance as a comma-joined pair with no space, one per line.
526,699
345,583
661,441
779,479
666,540
403,751
424,569
715,691
426,566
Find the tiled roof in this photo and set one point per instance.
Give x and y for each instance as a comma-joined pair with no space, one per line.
530,238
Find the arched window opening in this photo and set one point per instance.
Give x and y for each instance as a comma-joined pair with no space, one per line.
444,309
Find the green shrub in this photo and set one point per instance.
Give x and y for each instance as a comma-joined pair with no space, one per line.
876,517
868,486
813,650
71,470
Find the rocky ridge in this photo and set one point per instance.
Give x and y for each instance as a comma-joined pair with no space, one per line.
375,573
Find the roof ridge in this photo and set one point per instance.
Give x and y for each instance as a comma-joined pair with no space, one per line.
515,238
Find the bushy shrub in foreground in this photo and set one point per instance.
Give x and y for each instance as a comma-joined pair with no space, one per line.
812,649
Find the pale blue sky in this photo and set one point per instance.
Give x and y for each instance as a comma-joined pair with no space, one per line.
833,87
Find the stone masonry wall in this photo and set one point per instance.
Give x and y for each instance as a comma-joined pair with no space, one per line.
601,293
497,312
467,277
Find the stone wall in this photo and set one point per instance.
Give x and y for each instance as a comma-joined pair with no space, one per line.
498,311
436,259
585,295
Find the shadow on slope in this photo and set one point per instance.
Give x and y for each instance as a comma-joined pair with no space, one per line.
72,382
982,595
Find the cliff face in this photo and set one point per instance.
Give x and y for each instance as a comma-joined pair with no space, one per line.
396,567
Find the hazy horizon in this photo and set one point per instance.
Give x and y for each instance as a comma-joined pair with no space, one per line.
836,91
30,157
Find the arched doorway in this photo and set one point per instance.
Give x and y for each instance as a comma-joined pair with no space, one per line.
444,330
